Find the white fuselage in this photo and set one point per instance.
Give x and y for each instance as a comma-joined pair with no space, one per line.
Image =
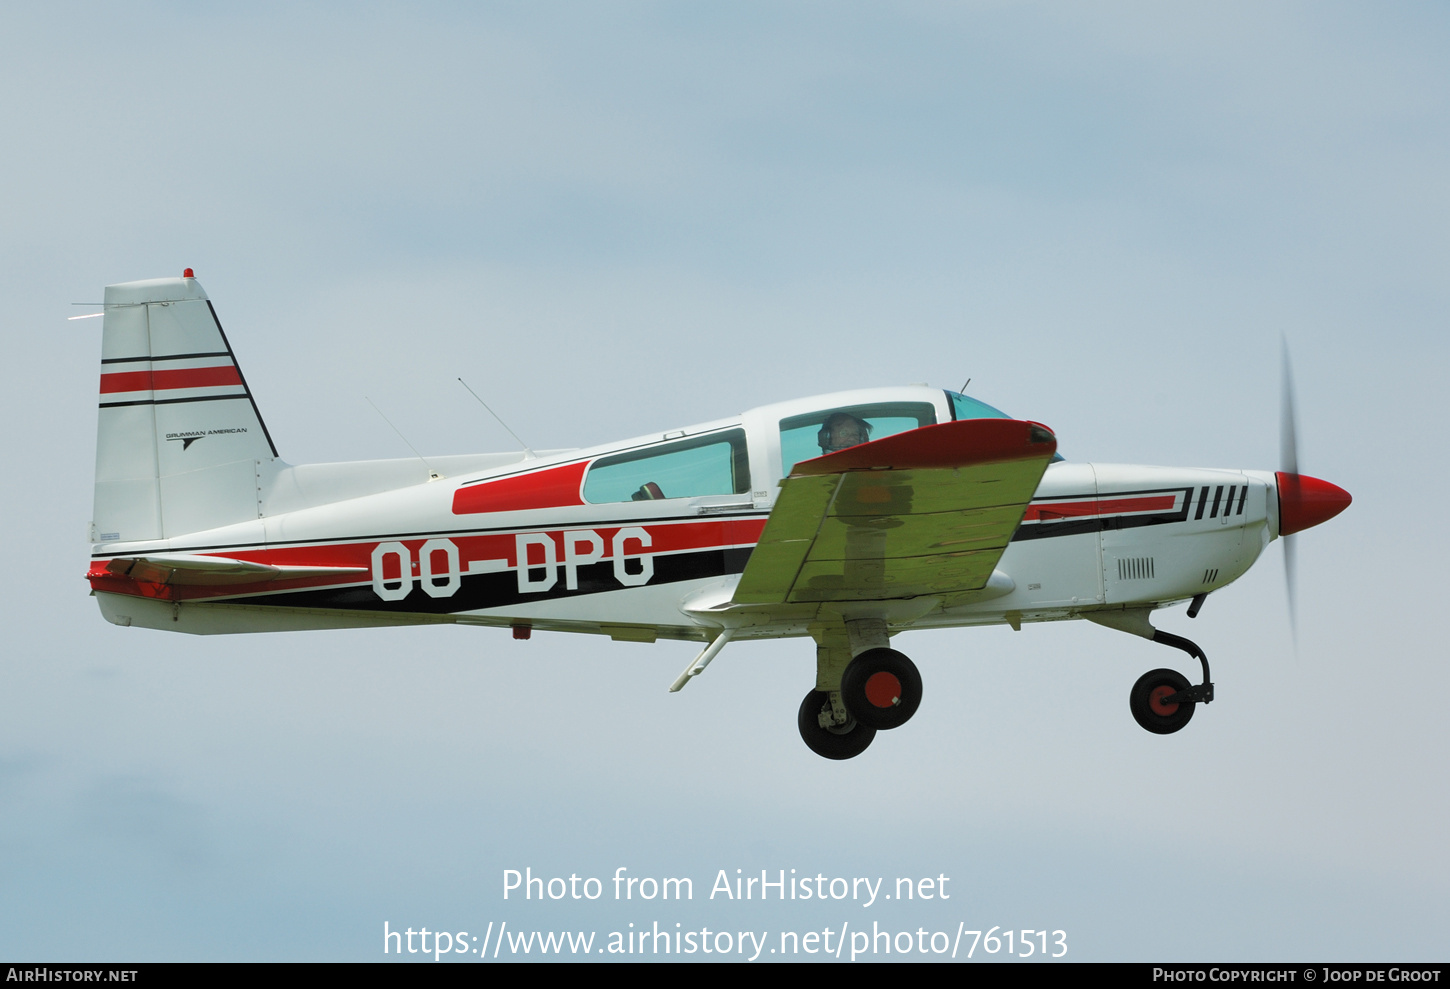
504,540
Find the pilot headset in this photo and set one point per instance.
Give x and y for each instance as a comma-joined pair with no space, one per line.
824,436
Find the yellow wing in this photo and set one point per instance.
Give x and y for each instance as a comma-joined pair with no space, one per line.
925,512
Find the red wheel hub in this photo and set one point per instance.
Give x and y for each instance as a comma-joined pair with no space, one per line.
1155,701
883,689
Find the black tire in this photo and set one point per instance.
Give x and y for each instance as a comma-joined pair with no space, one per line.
1146,702
845,742
881,688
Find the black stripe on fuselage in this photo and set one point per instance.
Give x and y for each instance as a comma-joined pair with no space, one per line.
1073,527
373,537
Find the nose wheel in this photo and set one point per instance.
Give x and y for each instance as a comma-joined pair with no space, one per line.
1155,701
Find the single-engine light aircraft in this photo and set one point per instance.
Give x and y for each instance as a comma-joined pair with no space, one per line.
848,518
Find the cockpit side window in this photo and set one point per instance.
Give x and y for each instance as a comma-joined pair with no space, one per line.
713,464
815,434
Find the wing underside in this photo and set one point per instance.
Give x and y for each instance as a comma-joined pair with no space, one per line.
925,512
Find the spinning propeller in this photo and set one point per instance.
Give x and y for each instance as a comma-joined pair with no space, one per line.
1303,501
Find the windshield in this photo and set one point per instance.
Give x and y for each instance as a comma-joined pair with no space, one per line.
966,407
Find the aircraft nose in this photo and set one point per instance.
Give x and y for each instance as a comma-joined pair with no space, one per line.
1306,501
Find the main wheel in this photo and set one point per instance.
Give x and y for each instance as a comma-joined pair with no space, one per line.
882,688
1148,704
841,742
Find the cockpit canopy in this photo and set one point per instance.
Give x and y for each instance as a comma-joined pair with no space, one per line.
814,434
716,460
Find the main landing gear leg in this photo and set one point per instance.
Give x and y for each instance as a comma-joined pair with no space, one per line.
881,687
826,726
1162,701
862,686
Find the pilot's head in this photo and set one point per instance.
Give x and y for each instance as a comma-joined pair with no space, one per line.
842,430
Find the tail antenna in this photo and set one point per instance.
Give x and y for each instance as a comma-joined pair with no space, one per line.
433,475
528,453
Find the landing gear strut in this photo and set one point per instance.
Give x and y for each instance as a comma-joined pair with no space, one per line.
1162,701
862,686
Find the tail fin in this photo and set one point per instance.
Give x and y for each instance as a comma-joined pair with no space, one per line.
180,441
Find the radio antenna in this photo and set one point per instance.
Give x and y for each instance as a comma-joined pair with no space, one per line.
528,453
963,389
433,475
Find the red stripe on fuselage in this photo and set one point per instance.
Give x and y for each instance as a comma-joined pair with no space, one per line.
1046,511
191,377
556,487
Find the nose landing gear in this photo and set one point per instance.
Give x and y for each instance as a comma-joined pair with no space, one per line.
1162,701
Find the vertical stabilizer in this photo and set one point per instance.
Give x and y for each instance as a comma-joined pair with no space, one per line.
179,442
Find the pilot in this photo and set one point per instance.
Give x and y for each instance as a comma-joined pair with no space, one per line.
841,430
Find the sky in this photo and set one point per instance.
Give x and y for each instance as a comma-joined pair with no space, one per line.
621,218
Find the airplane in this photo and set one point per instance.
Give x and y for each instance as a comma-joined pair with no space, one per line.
848,518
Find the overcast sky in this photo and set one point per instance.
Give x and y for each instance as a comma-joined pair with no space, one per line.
614,218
